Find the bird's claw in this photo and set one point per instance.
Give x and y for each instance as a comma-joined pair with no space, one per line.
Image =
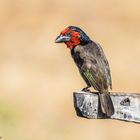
86,89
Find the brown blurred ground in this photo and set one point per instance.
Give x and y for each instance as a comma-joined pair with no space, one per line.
37,77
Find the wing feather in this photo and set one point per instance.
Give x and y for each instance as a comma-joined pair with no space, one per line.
96,67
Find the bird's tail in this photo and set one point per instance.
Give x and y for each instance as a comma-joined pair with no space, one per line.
106,103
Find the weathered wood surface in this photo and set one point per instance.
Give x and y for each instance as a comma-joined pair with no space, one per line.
127,106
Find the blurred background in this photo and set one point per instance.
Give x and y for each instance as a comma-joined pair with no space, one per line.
38,77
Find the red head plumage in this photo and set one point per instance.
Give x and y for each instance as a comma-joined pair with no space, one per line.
72,36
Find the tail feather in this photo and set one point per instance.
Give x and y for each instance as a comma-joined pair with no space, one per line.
106,104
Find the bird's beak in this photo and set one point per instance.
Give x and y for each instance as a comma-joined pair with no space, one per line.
61,39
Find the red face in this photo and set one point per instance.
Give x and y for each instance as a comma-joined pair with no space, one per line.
72,37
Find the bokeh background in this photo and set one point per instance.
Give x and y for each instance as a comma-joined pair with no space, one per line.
38,77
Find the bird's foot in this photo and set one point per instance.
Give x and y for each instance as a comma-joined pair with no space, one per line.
86,89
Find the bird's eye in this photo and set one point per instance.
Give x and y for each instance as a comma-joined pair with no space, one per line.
68,34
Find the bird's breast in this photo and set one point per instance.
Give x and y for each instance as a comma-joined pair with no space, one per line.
76,55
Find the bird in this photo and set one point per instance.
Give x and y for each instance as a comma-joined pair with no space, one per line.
92,64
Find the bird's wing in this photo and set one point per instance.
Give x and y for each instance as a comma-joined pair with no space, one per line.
96,68
106,67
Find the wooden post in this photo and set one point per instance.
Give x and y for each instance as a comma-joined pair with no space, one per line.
126,105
